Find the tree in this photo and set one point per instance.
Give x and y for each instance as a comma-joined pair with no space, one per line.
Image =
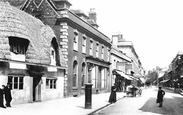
151,77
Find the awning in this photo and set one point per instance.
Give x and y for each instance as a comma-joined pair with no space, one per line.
132,77
124,75
164,81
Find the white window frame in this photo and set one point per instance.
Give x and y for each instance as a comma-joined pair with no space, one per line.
102,53
51,83
84,44
91,47
97,50
108,54
75,41
13,82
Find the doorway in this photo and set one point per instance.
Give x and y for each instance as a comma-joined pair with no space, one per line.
36,89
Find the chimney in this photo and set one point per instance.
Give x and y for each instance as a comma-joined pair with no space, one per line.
120,37
93,15
116,38
93,18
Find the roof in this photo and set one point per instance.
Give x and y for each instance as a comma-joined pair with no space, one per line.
17,3
178,54
92,22
78,11
164,81
16,23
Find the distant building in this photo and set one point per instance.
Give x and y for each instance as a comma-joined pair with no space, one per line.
175,72
127,47
118,68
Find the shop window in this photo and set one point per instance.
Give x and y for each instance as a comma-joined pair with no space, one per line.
16,82
51,83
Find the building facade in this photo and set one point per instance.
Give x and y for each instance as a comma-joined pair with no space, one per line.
175,73
118,69
31,60
86,49
135,67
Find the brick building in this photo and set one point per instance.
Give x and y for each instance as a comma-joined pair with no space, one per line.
86,49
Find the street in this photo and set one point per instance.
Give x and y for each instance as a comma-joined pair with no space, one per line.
146,104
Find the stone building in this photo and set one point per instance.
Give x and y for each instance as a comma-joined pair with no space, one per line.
118,69
134,69
86,49
31,60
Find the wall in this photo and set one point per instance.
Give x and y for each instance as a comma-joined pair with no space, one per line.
48,94
22,96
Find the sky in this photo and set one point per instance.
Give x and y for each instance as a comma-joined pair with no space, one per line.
154,26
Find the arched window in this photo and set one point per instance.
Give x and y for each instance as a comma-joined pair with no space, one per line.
75,74
83,75
54,52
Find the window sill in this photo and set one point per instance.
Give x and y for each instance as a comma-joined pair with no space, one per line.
84,53
75,50
75,88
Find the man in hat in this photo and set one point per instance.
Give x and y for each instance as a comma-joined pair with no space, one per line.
160,96
8,97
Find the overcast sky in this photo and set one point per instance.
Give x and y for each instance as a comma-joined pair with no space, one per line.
154,26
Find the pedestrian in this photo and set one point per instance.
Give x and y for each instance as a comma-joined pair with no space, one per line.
2,97
160,96
112,98
8,97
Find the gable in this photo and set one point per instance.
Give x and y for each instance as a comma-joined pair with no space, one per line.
43,6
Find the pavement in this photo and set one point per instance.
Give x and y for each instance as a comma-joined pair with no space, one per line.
66,106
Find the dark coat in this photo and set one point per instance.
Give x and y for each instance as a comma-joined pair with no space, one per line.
1,98
7,92
112,98
160,96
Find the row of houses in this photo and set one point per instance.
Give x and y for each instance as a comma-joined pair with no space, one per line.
49,51
173,76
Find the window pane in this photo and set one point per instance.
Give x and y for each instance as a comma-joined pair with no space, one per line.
10,79
21,86
74,80
15,79
21,79
51,84
83,80
15,85
55,81
47,84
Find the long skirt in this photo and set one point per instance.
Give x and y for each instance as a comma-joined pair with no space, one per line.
112,98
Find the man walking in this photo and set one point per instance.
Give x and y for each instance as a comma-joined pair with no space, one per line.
160,96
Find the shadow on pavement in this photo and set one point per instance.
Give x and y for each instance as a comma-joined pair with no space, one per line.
81,107
171,106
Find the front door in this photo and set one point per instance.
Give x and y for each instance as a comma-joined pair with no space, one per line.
36,88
